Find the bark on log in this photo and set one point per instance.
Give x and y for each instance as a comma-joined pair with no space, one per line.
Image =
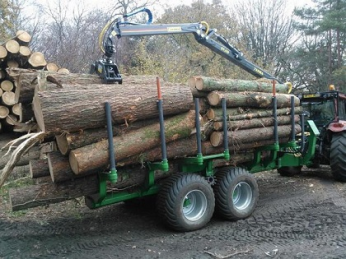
209,84
96,156
248,135
187,147
27,81
69,141
254,123
19,172
32,154
242,113
38,168
72,110
250,99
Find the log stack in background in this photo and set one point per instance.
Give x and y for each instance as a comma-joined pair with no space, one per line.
16,53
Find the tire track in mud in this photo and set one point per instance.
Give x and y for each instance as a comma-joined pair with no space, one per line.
290,217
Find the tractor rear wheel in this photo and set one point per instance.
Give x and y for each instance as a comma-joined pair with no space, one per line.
338,156
186,202
236,193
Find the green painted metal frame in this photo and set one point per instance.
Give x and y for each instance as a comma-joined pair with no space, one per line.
287,154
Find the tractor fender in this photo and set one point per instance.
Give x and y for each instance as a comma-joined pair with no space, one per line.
338,126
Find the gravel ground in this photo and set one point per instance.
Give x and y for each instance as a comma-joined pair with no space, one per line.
298,217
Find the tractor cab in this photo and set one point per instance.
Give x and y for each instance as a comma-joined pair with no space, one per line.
325,108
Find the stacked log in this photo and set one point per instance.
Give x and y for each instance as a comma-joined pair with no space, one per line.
15,53
249,110
69,109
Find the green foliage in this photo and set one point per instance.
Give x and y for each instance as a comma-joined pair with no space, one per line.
319,53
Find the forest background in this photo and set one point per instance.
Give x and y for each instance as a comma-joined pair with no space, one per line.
304,45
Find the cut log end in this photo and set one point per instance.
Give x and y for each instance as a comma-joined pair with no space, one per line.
199,83
23,37
63,71
4,112
216,139
52,67
8,98
37,60
214,98
6,85
12,46
24,51
3,52
12,64
62,143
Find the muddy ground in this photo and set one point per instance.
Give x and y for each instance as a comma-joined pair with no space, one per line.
299,217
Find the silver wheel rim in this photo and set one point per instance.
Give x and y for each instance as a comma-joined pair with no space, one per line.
194,205
242,196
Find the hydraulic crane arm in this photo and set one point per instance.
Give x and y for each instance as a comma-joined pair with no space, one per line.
201,31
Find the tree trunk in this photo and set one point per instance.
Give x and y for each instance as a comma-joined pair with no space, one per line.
26,81
69,141
208,84
239,113
19,172
32,154
95,156
254,123
73,110
248,135
38,168
250,99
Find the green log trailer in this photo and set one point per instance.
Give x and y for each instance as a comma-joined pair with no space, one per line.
187,199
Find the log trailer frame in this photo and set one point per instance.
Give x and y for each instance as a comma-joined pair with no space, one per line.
186,200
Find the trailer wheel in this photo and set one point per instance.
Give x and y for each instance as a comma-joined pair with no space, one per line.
338,156
236,193
289,171
186,202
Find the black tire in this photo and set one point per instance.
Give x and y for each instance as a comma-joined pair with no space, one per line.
338,156
236,193
173,199
289,171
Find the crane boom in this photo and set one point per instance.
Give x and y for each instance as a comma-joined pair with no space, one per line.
205,36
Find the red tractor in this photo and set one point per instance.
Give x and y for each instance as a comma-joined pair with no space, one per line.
328,111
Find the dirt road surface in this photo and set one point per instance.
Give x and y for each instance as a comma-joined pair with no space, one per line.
298,217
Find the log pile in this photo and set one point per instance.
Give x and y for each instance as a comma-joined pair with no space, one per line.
249,110
68,110
16,53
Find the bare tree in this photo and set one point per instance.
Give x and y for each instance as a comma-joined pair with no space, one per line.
266,29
